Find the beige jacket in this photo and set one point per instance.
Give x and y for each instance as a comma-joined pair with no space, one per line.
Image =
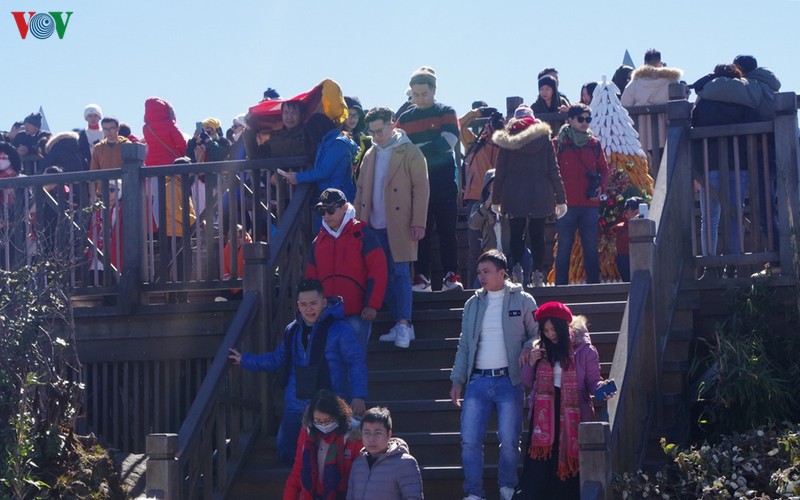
406,194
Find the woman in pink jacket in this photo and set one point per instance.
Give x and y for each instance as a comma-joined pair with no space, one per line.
563,371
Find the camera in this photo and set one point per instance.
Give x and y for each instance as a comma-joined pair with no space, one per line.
487,112
594,183
496,120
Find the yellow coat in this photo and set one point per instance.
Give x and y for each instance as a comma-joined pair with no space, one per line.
405,194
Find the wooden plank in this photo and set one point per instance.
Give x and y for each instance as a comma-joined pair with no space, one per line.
731,130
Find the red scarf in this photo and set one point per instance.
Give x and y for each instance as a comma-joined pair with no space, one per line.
543,420
334,483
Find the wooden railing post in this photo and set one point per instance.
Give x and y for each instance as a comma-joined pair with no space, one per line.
642,233
257,277
786,157
512,103
595,460
132,233
163,473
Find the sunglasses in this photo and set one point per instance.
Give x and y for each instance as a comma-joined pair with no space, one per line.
581,119
327,210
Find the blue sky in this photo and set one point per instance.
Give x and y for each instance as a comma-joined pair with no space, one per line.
216,58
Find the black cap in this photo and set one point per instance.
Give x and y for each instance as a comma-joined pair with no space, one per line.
331,197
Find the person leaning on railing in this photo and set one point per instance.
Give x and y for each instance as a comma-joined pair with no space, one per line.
722,100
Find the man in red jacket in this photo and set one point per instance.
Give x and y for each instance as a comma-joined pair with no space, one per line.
584,171
346,256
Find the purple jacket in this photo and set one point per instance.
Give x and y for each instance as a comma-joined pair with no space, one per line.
587,364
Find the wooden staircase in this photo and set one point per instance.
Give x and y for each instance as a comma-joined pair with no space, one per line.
414,384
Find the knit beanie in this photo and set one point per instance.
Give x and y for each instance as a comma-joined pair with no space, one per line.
746,63
92,109
423,75
240,120
523,111
549,81
213,123
34,119
553,310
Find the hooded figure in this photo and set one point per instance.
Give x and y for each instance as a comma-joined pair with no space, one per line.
63,149
164,141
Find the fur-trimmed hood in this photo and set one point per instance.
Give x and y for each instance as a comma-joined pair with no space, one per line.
540,131
62,136
652,73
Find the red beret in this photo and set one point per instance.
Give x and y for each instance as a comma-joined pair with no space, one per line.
553,310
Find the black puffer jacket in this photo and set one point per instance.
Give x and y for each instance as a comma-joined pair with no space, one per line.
527,180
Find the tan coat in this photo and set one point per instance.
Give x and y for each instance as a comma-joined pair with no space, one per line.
406,195
648,86
106,157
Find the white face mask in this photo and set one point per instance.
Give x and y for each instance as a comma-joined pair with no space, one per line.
327,427
236,135
5,164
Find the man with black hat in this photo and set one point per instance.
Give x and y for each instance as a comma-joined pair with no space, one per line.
27,141
346,256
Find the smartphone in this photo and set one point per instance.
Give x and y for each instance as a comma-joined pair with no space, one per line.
198,126
600,392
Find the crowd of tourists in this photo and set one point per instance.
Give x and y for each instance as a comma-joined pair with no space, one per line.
387,181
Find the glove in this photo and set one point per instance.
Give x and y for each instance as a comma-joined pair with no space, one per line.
561,210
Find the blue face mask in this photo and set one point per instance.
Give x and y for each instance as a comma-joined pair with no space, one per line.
327,427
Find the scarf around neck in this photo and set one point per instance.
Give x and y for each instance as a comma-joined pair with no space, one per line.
579,138
542,426
333,481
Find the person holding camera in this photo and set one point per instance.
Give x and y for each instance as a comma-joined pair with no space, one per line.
584,171
527,186
475,133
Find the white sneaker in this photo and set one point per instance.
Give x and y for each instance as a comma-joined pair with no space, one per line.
421,284
403,338
506,493
392,335
452,281
473,497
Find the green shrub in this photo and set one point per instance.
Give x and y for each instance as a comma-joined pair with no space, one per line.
39,397
753,360
762,463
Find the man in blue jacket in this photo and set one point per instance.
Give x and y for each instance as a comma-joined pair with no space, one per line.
319,351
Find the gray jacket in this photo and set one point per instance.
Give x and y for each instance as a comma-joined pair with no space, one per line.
394,475
519,329
763,85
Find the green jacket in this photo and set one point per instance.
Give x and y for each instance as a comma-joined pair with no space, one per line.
519,329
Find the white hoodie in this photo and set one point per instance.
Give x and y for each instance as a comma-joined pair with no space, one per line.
377,217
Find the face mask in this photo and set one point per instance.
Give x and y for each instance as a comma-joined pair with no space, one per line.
327,427
5,164
236,135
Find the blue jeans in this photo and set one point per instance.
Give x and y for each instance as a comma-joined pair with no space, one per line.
398,289
362,328
288,432
484,394
711,214
585,220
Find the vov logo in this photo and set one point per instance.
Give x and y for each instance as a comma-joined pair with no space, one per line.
42,24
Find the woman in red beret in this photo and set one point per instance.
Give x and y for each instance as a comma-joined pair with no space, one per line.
562,376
